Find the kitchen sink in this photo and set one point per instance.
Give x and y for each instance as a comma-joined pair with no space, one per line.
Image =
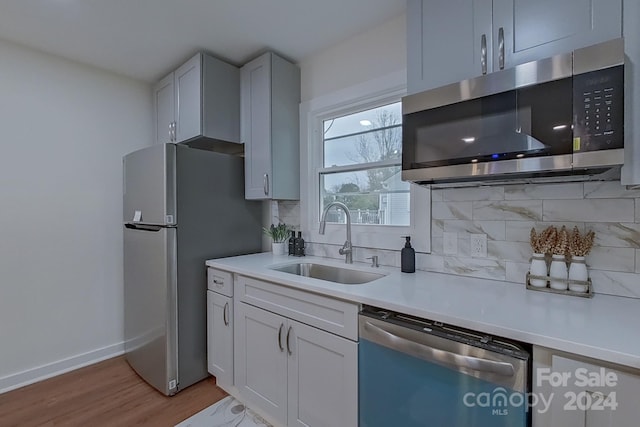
345,276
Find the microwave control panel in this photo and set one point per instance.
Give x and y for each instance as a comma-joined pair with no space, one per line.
598,106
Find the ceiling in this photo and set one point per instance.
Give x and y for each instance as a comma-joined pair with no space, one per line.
145,39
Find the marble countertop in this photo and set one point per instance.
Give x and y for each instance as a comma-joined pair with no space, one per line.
604,327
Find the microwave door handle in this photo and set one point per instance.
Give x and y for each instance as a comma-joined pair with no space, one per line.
501,48
438,355
483,53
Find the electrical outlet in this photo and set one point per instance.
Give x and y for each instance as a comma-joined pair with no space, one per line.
450,244
478,245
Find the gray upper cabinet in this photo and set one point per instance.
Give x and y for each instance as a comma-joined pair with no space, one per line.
201,99
542,28
452,40
164,109
270,98
444,41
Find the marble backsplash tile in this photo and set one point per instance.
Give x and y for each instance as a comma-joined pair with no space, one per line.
572,190
516,210
451,210
506,215
589,210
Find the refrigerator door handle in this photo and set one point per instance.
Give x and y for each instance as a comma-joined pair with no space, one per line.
143,227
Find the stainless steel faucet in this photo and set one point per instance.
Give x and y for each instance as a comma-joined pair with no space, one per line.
347,249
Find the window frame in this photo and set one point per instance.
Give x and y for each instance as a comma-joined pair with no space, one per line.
313,113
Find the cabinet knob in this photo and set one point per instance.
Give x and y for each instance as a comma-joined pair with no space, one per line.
288,335
501,48
265,183
483,53
225,314
280,337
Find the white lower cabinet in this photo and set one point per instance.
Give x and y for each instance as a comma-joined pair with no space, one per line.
261,360
220,338
295,374
322,373
582,392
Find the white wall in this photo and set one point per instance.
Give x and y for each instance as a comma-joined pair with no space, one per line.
366,56
65,128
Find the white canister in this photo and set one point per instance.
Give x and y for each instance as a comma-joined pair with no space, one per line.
278,248
558,273
538,268
578,271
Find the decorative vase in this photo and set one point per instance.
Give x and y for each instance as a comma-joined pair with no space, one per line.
538,268
578,271
277,248
558,271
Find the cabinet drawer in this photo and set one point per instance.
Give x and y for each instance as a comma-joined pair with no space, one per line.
220,281
332,315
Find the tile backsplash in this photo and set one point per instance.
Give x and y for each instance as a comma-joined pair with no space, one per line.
506,215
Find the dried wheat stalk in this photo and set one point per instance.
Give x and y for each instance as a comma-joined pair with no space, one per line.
580,245
534,240
548,239
561,244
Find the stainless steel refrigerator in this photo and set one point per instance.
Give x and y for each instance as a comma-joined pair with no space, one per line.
182,206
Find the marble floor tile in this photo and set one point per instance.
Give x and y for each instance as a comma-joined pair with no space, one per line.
228,412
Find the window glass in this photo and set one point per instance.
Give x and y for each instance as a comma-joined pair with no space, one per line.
356,143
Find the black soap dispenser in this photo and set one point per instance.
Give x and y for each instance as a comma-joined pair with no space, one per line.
408,257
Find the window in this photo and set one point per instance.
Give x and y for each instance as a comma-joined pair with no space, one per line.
361,167
351,152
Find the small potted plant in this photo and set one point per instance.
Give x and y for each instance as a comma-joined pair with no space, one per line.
279,234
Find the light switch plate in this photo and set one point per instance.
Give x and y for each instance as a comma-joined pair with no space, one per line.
450,244
478,245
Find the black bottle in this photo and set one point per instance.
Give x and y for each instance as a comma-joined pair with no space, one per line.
299,245
408,257
292,243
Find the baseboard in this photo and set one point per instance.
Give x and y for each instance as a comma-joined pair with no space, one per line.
30,376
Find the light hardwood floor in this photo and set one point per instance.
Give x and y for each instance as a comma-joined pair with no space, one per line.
108,393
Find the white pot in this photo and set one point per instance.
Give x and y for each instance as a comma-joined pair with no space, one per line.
278,248
538,268
578,271
558,270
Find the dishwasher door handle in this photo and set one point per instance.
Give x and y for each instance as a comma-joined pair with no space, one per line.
438,355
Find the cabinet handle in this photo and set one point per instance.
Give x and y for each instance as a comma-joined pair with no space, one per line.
172,131
483,53
280,337
225,314
501,48
218,282
288,346
265,183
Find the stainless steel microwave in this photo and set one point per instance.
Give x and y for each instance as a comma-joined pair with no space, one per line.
557,117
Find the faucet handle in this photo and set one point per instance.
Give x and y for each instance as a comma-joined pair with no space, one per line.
374,260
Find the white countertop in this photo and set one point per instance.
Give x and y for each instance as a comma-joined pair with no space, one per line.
604,327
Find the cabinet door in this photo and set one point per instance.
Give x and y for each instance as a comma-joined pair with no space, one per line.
220,338
163,104
322,377
261,360
255,112
445,41
542,28
188,80
594,405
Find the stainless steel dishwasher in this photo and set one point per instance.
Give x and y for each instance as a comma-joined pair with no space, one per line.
419,372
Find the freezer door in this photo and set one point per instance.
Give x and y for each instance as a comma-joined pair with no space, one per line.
150,304
149,185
